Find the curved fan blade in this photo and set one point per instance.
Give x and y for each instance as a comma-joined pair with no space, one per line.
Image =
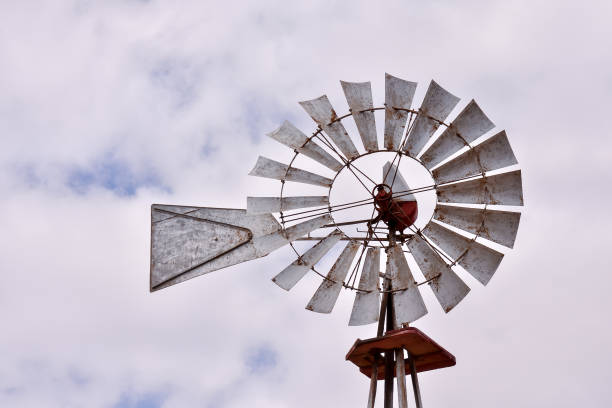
398,94
289,276
322,112
272,169
268,243
292,137
437,104
394,179
366,305
494,153
407,301
359,98
263,205
446,285
497,226
469,125
190,241
325,297
501,189
479,260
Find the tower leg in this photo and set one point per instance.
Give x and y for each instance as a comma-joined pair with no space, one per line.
400,374
373,384
415,382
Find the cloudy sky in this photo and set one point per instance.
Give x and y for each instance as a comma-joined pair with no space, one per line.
109,106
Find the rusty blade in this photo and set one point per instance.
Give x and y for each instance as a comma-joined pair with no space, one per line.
322,112
437,104
325,297
292,137
190,241
359,98
407,300
448,288
291,275
367,302
496,226
468,126
479,260
492,154
268,243
501,189
263,205
272,169
398,95
394,179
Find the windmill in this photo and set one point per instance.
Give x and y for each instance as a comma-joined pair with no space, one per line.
472,174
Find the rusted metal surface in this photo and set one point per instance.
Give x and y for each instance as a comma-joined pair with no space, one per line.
365,307
359,98
262,205
292,274
469,125
448,288
292,137
501,189
437,104
494,153
497,226
398,96
479,260
322,112
269,168
407,300
325,297
190,241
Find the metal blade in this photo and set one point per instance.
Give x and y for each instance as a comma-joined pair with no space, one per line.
292,137
497,226
322,112
394,179
448,288
437,104
479,260
190,241
494,153
407,301
325,297
359,98
263,205
367,301
272,169
268,243
291,275
398,94
501,189
469,125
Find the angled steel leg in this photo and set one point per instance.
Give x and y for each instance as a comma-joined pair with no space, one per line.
415,382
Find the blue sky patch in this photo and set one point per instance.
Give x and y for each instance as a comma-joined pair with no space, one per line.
261,359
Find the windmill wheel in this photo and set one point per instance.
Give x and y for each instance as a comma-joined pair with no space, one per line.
467,178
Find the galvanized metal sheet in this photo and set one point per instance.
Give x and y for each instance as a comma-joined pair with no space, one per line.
398,95
469,125
190,241
437,104
359,98
292,274
479,260
393,178
407,299
272,169
367,304
263,205
494,153
497,226
448,288
268,243
501,189
325,297
292,137
322,112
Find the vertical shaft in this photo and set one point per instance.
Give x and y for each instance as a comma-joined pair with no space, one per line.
373,384
400,374
415,382
389,355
